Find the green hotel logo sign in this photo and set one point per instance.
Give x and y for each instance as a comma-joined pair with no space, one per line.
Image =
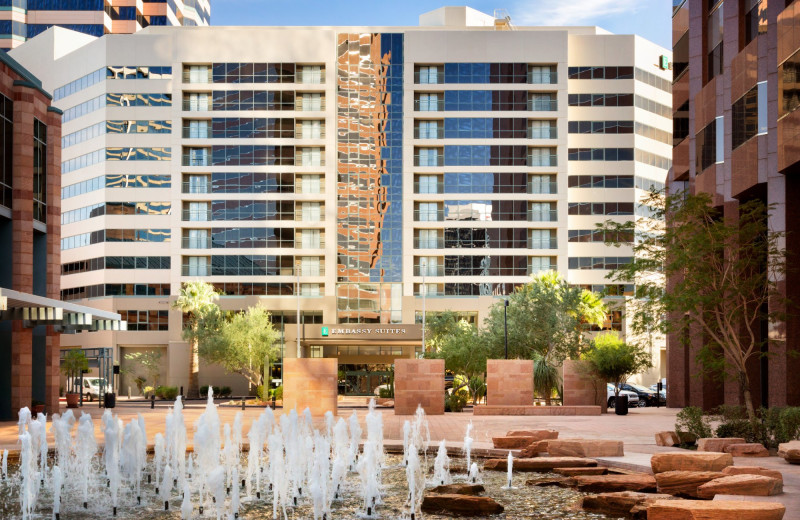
324,331
663,62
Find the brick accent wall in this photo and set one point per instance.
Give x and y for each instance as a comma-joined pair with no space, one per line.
581,388
509,382
419,382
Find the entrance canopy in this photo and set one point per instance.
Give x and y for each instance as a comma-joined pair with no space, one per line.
35,310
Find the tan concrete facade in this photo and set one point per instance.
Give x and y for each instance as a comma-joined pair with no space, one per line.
311,229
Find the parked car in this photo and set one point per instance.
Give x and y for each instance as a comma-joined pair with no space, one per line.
647,397
91,387
633,397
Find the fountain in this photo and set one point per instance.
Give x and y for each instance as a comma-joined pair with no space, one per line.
441,466
466,449
57,482
5,464
509,471
415,480
474,477
85,448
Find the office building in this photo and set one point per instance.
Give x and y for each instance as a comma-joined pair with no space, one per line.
348,171
21,20
736,121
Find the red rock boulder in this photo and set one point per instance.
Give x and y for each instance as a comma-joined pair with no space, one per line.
714,510
540,464
751,485
749,449
684,483
752,470
610,483
621,503
667,439
460,505
690,461
717,444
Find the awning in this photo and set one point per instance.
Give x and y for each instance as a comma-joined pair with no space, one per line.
35,310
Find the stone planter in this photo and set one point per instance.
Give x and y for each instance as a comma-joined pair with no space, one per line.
73,400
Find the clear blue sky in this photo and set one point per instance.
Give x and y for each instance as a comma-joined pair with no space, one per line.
648,18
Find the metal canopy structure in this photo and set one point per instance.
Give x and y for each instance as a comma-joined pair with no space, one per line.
66,317
103,360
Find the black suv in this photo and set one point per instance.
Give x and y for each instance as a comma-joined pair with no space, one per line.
647,397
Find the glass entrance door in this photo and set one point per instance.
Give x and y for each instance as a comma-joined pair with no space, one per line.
361,379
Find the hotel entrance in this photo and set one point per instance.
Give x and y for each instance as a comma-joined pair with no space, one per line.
363,379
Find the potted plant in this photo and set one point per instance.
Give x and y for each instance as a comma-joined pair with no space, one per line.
74,364
37,407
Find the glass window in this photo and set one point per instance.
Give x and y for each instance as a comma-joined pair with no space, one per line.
198,130
311,156
312,129
755,19
311,101
310,266
542,129
428,212
199,74
714,34
311,212
542,74
428,183
311,74
428,129
428,239
197,266
197,102
429,102
310,238
198,239
429,75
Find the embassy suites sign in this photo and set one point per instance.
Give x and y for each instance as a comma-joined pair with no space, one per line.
360,331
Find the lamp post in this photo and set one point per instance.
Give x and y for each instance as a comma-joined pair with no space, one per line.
424,290
297,276
505,323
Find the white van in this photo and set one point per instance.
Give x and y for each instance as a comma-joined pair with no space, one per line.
91,387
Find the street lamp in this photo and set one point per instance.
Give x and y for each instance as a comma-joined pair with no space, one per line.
424,293
505,323
297,275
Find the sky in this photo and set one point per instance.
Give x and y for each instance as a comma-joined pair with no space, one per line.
650,19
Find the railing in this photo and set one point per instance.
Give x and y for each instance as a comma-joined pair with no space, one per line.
437,160
437,187
543,160
429,243
196,270
543,188
196,133
542,105
425,79
298,244
196,215
312,271
188,106
542,78
543,133
314,79
195,243
298,188
543,216
309,106
191,160
551,243
298,133
298,216
429,216
428,270
427,134
188,79
189,187
436,105
535,269
298,160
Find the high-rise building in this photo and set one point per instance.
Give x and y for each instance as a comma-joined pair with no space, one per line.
21,20
736,120
354,176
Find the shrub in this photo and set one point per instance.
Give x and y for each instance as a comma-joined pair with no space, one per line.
691,420
278,393
204,391
734,423
456,401
167,393
736,429
477,388
147,391
788,425
225,391
260,393
385,393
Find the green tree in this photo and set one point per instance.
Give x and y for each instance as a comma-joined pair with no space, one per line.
614,360
73,364
465,352
241,342
546,317
546,378
723,278
196,300
438,327
150,360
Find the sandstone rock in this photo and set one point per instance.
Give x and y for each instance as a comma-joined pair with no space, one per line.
684,483
792,456
609,483
717,444
584,448
714,510
786,446
538,435
620,503
511,443
667,439
750,449
690,461
571,472
553,481
459,489
541,464
752,470
534,449
753,485
460,505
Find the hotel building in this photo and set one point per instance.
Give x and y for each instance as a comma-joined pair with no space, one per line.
21,20
735,102
353,175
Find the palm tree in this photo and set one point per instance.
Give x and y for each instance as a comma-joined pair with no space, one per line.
195,300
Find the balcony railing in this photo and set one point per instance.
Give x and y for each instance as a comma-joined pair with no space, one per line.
437,133
535,269
542,105
436,105
542,216
429,216
428,270
543,133
196,133
311,271
543,188
543,160
195,243
428,187
196,270
196,215
191,160
551,243
430,161
189,106
190,187
199,76
298,244
298,133
428,243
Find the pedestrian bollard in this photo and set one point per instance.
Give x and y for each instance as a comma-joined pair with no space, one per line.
181,390
152,401
242,402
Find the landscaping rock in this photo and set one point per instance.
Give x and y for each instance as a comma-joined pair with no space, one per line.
460,505
717,444
752,485
571,472
609,483
792,456
684,483
511,443
752,470
552,481
749,449
541,464
667,439
459,489
714,510
534,449
538,435
786,446
584,448
621,503
690,461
